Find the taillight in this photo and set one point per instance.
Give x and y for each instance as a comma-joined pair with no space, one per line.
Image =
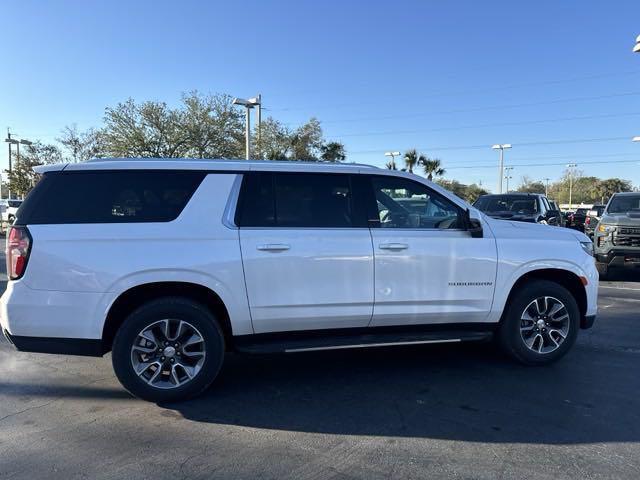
18,249
587,221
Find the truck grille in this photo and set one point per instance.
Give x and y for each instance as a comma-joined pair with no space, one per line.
627,237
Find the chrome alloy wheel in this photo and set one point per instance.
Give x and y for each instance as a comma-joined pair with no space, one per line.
168,353
544,324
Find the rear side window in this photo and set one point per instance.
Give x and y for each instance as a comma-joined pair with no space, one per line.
296,200
127,196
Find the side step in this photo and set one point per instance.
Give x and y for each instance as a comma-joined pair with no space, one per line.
355,338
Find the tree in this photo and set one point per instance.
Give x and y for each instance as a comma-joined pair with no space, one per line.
332,152
473,192
527,185
411,159
81,146
22,178
613,185
432,167
306,141
202,126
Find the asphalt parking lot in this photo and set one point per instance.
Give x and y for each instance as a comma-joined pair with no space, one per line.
430,412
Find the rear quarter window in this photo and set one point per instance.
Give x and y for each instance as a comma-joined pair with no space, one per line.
131,196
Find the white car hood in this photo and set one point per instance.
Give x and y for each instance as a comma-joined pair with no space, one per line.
526,230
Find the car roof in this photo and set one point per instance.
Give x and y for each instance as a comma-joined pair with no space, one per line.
624,194
205,164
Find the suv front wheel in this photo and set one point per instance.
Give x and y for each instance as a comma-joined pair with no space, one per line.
168,349
540,323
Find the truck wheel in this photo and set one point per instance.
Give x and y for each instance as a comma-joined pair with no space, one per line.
603,270
168,350
540,323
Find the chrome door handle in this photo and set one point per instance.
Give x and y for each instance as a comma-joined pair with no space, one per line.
273,247
393,246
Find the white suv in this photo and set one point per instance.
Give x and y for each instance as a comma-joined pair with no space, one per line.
171,263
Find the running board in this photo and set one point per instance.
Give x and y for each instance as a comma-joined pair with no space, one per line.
319,340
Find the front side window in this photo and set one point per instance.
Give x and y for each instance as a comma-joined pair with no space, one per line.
402,203
296,200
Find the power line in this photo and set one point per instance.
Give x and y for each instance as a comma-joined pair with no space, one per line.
395,98
520,144
485,125
598,162
477,109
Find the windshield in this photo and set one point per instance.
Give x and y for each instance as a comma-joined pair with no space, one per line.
507,203
624,204
15,203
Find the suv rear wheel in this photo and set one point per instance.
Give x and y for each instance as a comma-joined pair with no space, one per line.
540,323
168,349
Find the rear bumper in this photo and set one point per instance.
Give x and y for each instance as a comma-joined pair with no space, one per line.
64,346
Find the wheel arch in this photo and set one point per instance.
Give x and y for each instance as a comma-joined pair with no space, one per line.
135,296
568,279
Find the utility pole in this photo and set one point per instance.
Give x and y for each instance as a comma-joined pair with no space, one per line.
502,147
571,166
259,143
546,186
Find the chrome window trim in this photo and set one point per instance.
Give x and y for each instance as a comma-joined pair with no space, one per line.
228,217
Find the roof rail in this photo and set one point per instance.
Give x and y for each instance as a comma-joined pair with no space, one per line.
169,159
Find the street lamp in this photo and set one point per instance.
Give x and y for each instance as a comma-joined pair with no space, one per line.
502,148
393,156
249,104
636,49
571,166
507,176
546,186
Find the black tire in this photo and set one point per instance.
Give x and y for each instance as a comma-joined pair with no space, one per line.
603,270
509,335
168,308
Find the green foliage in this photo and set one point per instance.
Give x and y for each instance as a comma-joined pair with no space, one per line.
470,193
411,159
332,152
528,185
22,177
432,167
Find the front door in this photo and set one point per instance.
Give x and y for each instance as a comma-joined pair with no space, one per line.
428,268
307,264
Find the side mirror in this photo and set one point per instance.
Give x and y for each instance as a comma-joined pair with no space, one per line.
553,214
473,225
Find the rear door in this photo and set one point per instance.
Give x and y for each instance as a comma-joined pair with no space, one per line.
308,260
428,268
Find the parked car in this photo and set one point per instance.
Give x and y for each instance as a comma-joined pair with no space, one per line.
8,211
561,219
592,219
171,263
577,219
520,207
617,237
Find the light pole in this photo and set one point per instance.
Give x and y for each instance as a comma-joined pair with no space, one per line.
393,156
546,186
571,166
636,49
502,147
507,176
249,104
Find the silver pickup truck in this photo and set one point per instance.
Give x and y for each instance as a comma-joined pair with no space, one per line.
617,237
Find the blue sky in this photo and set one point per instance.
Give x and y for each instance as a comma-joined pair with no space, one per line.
448,77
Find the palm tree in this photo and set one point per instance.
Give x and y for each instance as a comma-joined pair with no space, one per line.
432,166
411,159
390,165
